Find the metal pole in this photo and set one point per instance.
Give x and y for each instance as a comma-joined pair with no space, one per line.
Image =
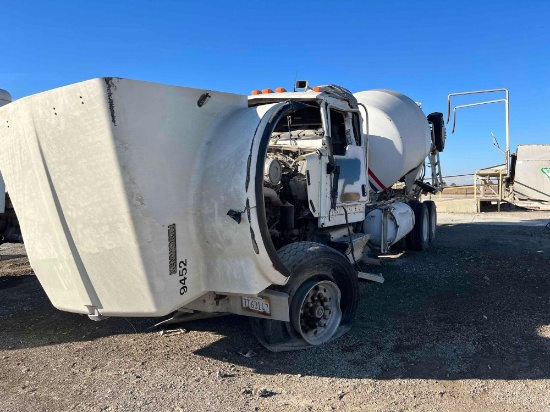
499,190
507,116
507,135
471,105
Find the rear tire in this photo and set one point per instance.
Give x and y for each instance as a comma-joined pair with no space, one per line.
323,297
432,211
419,237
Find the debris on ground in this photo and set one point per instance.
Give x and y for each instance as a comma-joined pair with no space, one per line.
172,332
247,353
265,393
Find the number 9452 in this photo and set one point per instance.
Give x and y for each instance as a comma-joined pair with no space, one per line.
182,272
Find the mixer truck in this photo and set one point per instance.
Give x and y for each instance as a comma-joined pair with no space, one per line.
172,200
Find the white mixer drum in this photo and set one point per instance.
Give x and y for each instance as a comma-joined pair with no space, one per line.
399,136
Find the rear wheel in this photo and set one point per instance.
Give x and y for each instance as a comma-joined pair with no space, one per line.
432,212
419,237
323,296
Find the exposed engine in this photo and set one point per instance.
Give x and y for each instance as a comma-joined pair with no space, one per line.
285,194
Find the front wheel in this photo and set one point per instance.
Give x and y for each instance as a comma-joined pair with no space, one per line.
323,297
315,312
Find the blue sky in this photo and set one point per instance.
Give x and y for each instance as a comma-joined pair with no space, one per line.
423,49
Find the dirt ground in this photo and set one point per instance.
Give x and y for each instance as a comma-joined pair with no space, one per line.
462,327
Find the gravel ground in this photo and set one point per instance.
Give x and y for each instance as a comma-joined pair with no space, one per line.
464,326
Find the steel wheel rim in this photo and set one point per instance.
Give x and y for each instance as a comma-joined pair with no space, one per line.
317,313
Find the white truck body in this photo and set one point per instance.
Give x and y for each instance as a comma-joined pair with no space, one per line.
139,199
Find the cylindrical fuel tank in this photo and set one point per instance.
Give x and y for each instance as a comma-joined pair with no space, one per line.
399,136
399,220
5,97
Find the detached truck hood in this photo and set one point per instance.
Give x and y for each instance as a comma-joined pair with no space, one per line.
136,198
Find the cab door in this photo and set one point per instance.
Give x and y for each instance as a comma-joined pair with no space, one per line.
348,149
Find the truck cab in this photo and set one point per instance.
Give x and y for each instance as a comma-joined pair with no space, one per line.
316,162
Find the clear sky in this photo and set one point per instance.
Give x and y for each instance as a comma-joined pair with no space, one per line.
425,50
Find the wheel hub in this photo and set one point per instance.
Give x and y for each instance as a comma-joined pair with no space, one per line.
316,311
319,312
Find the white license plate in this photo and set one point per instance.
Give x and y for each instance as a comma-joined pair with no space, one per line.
257,305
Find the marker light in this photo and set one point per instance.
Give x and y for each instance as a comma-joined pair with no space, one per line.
265,91
317,89
280,90
256,92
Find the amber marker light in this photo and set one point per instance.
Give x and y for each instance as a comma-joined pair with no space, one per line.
256,92
317,89
265,91
280,90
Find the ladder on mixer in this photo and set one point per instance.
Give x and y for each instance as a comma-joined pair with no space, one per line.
435,165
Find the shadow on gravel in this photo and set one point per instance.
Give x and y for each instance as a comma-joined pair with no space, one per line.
12,281
9,257
28,319
475,306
